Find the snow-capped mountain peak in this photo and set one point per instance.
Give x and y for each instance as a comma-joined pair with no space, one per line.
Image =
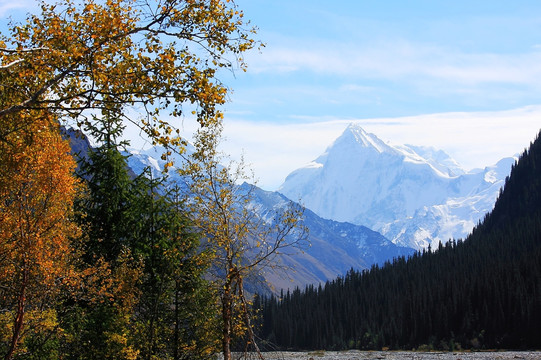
356,134
413,195
439,159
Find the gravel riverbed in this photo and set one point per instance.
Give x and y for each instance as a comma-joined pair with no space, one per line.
398,355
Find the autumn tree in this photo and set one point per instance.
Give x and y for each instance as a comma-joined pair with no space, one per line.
149,61
241,240
37,190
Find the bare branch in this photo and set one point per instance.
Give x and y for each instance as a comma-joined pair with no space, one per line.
21,51
11,64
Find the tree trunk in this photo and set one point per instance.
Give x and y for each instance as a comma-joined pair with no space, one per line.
19,319
226,317
248,320
177,325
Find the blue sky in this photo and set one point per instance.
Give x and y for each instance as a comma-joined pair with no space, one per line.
391,58
464,76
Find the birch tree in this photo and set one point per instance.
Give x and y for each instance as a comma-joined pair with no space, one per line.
241,240
149,61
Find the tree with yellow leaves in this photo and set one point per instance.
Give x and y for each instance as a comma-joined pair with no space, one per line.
37,190
145,60
241,241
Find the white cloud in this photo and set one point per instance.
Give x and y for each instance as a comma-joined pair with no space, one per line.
399,60
490,68
474,139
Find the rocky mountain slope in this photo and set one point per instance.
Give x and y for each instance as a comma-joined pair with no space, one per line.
335,247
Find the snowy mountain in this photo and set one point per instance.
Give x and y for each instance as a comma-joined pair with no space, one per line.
414,196
139,159
335,247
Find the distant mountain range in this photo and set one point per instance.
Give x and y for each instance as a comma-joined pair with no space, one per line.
415,196
335,247
483,292
366,201
369,201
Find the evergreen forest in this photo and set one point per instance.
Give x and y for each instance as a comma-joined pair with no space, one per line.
483,292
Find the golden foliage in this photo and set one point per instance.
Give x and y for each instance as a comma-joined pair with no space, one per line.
37,189
156,56
148,62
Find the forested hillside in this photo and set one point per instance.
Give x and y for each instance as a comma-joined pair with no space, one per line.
483,292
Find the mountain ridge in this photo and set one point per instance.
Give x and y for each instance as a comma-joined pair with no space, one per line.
336,247
405,192
479,293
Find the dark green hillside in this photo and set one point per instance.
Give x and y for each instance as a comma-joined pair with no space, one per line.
483,292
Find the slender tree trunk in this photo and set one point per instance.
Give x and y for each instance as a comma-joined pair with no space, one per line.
151,338
19,319
226,317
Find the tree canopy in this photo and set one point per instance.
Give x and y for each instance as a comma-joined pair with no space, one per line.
148,61
37,190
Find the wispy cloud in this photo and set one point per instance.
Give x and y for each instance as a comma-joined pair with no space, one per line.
399,60
8,7
475,139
